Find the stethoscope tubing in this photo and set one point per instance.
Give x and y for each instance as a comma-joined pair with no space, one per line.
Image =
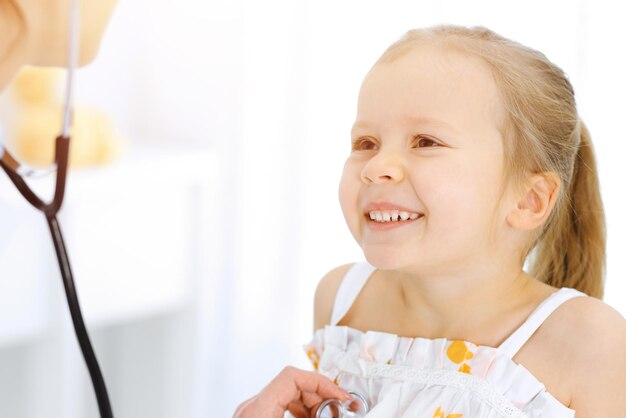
97,380
15,171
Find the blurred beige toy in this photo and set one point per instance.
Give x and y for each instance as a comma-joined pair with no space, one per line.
37,123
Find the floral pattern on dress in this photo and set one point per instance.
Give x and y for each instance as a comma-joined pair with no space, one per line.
314,356
458,352
440,414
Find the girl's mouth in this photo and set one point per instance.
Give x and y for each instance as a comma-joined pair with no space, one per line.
392,215
382,220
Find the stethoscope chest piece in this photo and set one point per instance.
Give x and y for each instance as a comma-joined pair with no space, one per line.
334,408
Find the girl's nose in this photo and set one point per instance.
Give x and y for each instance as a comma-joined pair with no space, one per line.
385,167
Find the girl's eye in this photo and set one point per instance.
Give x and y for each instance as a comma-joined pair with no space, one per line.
363,144
423,142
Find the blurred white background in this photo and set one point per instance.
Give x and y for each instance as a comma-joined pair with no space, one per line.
197,255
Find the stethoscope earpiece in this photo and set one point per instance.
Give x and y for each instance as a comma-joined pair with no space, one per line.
334,408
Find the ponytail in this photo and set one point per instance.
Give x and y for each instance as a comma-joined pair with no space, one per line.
571,253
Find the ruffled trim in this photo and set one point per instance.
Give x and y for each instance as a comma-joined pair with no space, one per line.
336,348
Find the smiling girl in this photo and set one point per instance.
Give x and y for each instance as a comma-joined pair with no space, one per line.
467,154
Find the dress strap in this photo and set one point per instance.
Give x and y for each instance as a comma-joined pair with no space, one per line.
349,289
513,344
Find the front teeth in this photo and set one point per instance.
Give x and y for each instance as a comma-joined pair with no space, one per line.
392,216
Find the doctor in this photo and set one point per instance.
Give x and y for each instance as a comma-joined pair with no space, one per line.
35,32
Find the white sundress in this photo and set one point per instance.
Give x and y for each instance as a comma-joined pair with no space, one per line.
433,378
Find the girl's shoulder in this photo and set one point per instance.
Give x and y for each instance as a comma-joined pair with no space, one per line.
587,337
580,331
325,295
586,321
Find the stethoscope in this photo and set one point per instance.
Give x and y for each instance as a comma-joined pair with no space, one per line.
334,408
17,171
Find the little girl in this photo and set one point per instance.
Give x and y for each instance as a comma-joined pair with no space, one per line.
467,154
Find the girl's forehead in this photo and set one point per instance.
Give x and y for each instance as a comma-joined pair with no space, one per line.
431,82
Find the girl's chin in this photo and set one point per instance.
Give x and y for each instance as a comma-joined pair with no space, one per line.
385,260
405,261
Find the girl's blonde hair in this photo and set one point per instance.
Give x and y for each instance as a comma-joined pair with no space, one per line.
542,133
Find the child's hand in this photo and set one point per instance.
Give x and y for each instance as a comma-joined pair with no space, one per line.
293,390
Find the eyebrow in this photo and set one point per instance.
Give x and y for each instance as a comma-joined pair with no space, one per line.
419,120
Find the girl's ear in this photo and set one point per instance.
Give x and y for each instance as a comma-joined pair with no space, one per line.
537,201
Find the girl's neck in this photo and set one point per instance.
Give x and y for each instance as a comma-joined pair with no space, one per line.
459,305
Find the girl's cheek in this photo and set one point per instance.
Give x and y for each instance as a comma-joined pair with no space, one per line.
455,202
348,197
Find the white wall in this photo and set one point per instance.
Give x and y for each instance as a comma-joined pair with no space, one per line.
269,88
